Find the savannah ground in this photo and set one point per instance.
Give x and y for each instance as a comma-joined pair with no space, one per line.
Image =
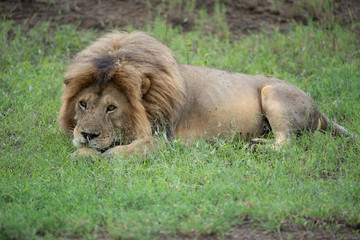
309,190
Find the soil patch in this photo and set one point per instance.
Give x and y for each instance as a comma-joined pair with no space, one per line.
242,16
287,231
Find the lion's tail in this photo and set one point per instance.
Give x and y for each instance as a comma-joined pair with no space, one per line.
336,129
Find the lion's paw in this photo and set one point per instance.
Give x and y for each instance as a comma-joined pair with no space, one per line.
114,152
85,152
256,145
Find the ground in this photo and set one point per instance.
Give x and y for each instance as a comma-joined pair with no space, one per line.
290,231
241,16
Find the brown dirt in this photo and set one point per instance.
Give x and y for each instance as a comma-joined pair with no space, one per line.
242,16
289,231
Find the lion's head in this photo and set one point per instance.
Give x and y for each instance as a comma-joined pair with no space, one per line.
121,85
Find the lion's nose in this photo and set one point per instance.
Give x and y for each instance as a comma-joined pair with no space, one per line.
89,136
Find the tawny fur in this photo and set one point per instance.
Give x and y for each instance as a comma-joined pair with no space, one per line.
152,91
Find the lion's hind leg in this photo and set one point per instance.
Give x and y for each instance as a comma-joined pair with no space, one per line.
275,112
288,110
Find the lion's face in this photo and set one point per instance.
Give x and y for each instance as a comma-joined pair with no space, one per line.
100,115
135,84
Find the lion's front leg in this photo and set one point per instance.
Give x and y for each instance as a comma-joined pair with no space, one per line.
142,146
85,152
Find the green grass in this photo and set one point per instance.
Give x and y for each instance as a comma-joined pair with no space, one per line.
207,188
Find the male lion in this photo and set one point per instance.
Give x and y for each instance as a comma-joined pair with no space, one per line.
125,87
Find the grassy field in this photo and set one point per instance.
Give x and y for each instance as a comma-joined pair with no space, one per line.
207,188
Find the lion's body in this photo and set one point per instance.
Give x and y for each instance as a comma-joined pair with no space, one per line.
220,103
132,84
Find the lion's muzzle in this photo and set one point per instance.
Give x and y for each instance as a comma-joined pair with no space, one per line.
90,139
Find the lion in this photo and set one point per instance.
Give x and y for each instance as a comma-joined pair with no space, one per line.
125,88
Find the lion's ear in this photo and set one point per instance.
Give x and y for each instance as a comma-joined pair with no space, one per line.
145,85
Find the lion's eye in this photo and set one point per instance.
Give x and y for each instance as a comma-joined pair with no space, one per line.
110,108
83,104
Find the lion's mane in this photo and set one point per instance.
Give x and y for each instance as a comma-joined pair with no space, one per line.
130,61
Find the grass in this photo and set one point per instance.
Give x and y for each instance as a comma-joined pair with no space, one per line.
207,188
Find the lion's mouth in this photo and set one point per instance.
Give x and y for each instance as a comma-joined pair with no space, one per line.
103,150
81,142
